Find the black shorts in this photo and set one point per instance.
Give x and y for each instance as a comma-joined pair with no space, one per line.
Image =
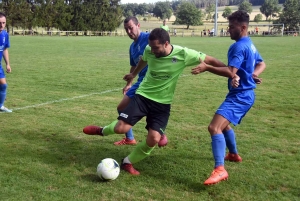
157,113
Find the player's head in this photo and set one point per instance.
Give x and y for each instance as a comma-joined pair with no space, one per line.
132,27
238,24
2,21
159,41
164,22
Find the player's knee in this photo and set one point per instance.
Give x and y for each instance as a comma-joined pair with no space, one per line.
212,129
121,127
3,87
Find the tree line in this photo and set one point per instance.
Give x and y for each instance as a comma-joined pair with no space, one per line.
107,15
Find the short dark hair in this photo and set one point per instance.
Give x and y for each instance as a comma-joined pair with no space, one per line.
134,20
159,34
2,14
240,16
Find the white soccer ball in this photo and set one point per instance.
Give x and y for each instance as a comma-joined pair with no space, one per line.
108,169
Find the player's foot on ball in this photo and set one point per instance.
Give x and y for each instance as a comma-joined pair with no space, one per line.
233,157
125,141
219,174
163,141
93,130
129,168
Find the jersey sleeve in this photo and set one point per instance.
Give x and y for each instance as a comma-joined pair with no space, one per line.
131,60
258,59
192,57
235,56
7,43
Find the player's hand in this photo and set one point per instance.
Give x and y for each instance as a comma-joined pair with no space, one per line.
129,77
256,79
235,82
8,69
200,68
126,88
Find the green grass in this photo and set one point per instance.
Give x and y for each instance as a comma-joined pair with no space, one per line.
58,85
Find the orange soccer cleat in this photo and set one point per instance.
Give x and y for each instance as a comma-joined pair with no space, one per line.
233,157
219,174
125,141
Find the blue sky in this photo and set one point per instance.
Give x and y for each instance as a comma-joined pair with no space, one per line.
140,1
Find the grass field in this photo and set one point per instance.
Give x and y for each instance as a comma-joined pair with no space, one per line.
58,85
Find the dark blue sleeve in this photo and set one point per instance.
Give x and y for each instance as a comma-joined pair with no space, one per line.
7,43
130,58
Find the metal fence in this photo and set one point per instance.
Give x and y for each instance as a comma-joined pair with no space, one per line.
177,33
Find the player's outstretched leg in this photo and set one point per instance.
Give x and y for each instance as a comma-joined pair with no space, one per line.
141,151
93,130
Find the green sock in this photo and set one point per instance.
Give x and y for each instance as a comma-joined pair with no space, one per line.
110,129
141,151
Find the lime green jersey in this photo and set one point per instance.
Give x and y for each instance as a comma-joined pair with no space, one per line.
162,75
166,27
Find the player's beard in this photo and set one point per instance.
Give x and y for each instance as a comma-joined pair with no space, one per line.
160,54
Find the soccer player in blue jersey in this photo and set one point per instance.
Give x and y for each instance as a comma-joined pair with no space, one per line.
136,50
4,45
244,66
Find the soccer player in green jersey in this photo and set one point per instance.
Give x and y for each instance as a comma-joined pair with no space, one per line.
154,96
164,26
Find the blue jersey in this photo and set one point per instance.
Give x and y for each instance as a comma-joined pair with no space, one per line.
136,51
244,56
4,43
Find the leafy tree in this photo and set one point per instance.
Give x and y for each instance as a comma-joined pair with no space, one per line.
78,12
290,15
18,14
188,14
258,18
142,9
130,8
245,6
175,5
162,10
47,14
269,8
209,10
227,11
63,16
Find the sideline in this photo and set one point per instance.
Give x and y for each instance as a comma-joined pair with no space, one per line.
65,99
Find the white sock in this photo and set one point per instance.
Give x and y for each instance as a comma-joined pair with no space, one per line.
126,160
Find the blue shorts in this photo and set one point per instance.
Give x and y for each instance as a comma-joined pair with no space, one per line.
131,92
2,74
236,106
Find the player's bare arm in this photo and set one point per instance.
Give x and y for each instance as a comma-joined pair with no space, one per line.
226,71
128,84
213,61
129,77
259,68
6,59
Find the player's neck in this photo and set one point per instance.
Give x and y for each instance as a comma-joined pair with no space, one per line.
169,49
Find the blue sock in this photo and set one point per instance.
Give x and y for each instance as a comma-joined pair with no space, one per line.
230,141
2,94
218,148
129,135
